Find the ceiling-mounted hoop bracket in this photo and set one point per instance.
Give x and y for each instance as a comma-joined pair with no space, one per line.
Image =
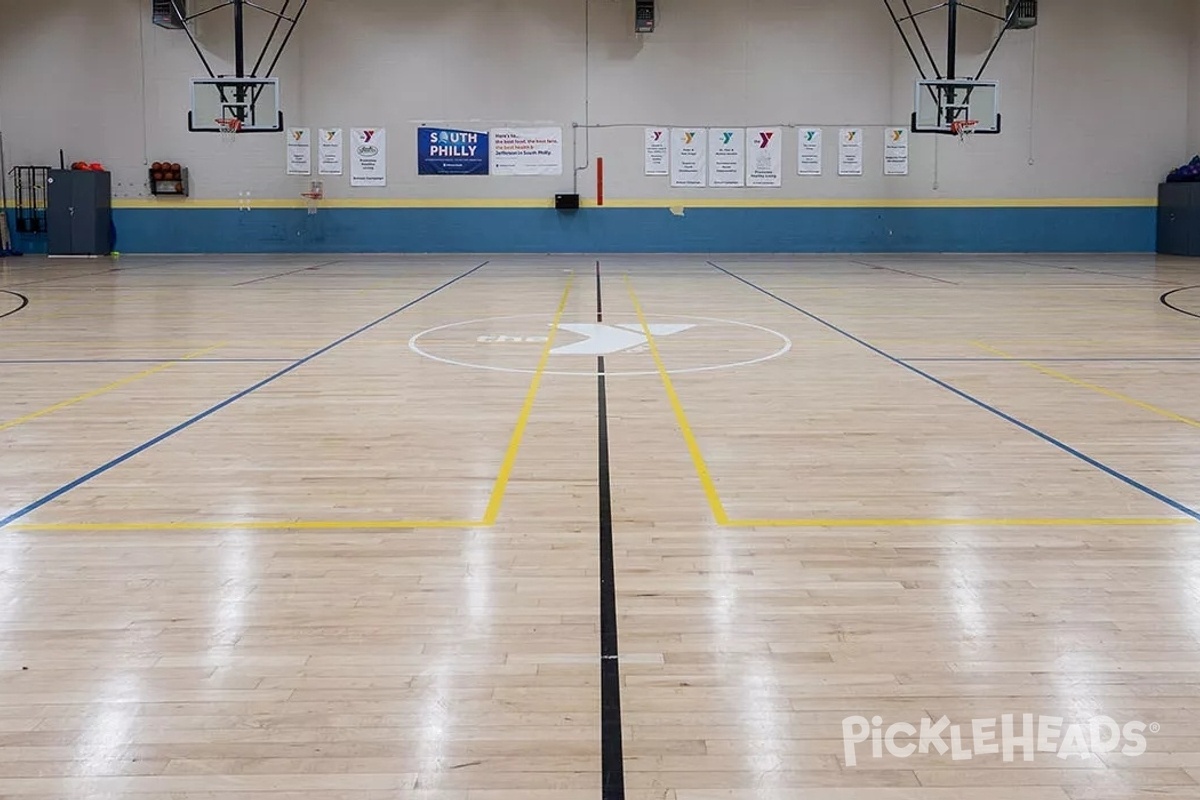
282,28
928,67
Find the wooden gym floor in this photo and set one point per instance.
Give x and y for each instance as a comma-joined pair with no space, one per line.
371,527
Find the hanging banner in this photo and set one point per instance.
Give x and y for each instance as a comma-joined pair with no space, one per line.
329,151
368,157
850,151
657,153
726,157
764,157
448,151
689,157
299,151
895,153
810,162
526,151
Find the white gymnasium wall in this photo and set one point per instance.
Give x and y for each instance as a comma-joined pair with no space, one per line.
1193,138
1096,99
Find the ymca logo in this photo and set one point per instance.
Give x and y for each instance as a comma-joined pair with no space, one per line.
810,136
897,134
688,136
331,136
764,139
367,136
516,343
604,340
298,135
728,136
657,135
851,135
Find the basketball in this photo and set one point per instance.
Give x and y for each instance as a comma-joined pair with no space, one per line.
156,166
175,168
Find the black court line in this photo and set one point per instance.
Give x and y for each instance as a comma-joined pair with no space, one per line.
22,301
1166,301
1052,360
82,275
121,459
1097,272
612,751
905,272
285,274
970,398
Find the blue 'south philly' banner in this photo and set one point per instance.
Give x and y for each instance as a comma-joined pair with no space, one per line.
446,151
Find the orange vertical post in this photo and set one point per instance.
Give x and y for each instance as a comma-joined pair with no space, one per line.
599,181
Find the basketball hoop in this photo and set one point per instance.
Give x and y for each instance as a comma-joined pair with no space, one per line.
963,128
229,128
314,195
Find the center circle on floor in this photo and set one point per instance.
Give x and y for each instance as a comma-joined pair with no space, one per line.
685,343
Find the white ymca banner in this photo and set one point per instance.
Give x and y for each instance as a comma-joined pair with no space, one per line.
299,151
895,153
658,160
689,157
850,151
329,151
764,157
810,162
368,157
726,157
526,151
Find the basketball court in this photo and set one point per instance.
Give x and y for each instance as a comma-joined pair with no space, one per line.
379,527
876,481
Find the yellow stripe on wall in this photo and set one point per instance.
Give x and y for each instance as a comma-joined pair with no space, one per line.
697,202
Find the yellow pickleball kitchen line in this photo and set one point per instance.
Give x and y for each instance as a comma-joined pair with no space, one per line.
12,423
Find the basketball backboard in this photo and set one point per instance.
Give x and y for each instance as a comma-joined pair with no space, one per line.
254,102
940,104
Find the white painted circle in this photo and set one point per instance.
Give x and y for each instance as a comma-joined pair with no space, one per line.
784,348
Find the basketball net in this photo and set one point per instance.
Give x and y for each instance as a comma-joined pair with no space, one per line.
229,128
314,196
963,128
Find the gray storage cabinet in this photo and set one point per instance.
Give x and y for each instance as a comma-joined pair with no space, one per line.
1179,219
79,213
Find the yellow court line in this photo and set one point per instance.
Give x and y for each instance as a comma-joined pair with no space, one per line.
722,518
949,522
1062,376
648,202
264,525
12,423
514,444
706,481
489,518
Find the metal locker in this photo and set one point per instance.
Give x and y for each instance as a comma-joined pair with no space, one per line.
79,213
1174,218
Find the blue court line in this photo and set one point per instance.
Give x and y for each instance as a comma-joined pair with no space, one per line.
1018,359
145,361
60,491
1141,487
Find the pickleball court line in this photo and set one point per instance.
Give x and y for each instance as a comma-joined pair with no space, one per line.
121,459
